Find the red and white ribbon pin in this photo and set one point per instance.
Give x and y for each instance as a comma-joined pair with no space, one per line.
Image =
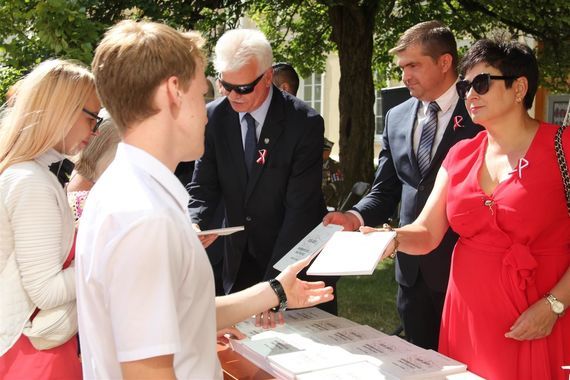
523,163
457,122
262,154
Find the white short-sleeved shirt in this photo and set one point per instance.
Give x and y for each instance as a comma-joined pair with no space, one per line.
144,283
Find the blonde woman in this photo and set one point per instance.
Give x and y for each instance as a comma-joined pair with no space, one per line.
91,164
55,114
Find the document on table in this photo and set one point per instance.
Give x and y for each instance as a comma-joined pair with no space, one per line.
221,231
351,253
310,245
421,365
360,370
292,364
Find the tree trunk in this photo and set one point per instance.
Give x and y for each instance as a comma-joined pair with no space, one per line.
353,31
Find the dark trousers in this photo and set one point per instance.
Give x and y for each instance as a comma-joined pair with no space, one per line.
250,273
420,310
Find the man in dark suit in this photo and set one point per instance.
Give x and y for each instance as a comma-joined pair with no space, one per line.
417,135
286,78
262,158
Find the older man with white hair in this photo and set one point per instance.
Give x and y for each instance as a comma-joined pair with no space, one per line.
262,158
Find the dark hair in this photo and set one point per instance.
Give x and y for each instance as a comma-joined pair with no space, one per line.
433,36
511,58
285,73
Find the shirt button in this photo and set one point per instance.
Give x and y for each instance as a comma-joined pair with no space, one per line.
248,218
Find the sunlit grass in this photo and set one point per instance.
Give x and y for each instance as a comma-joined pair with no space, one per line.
370,300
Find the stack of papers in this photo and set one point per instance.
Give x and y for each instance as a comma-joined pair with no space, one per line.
351,253
340,253
309,246
221,231
314,344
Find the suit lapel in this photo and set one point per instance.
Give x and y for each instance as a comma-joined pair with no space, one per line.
450,135
411,122
272,129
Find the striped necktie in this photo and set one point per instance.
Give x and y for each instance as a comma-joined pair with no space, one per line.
426,141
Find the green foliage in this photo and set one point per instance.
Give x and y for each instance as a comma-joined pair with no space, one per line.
8,77
34,30
298,30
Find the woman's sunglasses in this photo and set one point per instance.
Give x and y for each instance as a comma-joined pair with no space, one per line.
480,84
242,89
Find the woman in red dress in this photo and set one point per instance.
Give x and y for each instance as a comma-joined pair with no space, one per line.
54,114
502,193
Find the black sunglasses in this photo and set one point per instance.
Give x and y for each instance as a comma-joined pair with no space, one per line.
241,89
480,84
97,118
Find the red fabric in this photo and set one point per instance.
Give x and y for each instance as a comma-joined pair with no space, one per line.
23,361
514,246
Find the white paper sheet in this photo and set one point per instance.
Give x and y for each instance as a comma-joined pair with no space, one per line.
351,253
310,245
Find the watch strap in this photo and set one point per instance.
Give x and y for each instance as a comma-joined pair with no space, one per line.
555,304
280,292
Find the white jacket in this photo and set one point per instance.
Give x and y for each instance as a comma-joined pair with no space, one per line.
36,235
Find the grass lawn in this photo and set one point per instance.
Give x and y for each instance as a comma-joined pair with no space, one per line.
370,300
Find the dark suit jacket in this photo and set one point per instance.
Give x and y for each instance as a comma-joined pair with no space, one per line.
282,201
398,179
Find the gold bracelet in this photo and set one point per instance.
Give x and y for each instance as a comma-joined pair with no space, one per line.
388,227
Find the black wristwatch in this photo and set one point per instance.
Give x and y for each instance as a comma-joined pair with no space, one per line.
278,289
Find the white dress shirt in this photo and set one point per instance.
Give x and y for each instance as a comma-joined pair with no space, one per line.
447,103
258,115
144,283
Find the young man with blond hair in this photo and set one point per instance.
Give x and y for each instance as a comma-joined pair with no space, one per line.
147,307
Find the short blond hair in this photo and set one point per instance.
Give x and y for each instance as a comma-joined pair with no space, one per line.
134,58
49,102
97,156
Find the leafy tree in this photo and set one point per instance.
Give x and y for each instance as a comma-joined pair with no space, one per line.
302,32
362,32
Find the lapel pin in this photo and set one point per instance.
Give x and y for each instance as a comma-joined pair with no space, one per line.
266,140
457,122
262,154
523,163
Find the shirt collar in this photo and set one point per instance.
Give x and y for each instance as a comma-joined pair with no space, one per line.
448,99
261,112
49,157
156,169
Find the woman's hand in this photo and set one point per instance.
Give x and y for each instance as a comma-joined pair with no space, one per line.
224,335
534,323
206,240
390,248
269,319
303,293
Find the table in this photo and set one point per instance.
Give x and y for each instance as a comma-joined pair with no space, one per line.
237,367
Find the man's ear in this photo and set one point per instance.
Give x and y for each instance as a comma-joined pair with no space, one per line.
445,61
268,78
173,91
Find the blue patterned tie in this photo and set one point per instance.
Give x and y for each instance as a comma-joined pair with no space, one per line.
426,141
250,142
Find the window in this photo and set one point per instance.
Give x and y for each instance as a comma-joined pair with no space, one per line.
311,91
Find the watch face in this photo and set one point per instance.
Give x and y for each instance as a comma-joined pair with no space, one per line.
557,307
